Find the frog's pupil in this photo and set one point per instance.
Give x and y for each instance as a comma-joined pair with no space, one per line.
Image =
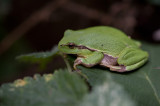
71,46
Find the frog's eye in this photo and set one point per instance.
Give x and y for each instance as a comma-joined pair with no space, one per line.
71,46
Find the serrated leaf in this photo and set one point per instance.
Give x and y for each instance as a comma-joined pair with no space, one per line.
40,57
61,89
108,94
142,84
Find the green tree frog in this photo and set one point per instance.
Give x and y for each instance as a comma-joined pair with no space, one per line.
103,45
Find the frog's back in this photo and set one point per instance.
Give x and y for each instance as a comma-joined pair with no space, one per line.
102,38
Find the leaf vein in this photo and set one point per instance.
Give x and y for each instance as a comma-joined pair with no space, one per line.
152,86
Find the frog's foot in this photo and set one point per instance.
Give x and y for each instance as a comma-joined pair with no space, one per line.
89,60
81,61
119,68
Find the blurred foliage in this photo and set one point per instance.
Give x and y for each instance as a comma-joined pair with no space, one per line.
62,89
4,10
4,7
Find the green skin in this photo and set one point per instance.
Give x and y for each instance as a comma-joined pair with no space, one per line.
105,46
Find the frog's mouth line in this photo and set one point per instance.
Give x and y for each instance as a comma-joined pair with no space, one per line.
72,46
107,61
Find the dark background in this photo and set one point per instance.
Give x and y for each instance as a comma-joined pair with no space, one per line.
28,26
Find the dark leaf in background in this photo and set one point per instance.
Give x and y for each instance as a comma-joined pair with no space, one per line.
155,2
40,57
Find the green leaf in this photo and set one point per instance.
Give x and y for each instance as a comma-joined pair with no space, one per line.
108,94
40,57
61,89
142,84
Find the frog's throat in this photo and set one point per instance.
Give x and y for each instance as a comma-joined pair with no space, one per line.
111,62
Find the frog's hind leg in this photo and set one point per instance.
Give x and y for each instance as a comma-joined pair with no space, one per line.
132,58
89,60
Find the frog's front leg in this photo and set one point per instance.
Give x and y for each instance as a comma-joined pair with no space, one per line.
88,60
